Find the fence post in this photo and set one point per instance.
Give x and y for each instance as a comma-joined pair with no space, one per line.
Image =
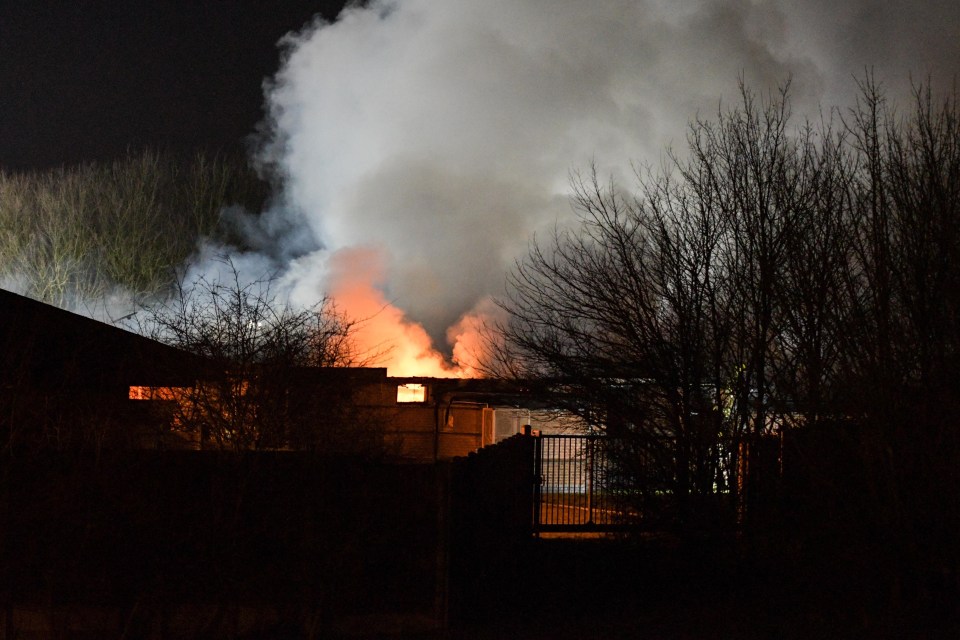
443,478
537,477
590,467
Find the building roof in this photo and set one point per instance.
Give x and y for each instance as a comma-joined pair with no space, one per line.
42,345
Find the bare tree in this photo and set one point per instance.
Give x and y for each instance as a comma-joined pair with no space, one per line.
795,287
901,372
264,386
705,313
73,234
620,319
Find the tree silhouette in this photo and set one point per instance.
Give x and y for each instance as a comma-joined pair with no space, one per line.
773,278
277,376
70,236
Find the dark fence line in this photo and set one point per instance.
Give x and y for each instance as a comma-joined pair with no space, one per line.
317,539
172,543
490,526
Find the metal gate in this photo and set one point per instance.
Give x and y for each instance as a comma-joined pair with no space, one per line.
574,486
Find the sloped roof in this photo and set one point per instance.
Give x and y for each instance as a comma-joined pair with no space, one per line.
42,345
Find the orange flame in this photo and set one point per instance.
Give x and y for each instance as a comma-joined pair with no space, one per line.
383,328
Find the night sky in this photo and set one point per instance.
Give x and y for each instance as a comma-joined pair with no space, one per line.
88,80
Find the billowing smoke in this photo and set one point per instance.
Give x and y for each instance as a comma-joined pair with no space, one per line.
422,143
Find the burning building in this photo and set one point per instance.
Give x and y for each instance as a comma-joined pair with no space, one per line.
70,381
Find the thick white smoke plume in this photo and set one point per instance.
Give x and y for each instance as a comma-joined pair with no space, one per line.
421,143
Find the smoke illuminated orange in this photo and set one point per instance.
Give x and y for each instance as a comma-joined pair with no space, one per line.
471,338
384,331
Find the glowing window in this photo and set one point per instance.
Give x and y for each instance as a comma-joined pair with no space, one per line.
411,393
155,393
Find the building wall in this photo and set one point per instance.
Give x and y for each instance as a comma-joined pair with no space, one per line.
423,432
456,418
453,418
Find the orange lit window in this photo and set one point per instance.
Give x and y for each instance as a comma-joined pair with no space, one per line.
411,393
155,393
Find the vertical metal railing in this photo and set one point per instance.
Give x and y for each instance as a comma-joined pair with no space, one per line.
572,489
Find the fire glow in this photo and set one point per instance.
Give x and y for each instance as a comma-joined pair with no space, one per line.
137,392
385,334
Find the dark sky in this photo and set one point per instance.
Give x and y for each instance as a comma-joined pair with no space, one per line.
86,80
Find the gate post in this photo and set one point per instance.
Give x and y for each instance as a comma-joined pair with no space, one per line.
537,478
590,467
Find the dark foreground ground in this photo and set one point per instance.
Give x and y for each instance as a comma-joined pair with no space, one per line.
654,588
658,588
169,546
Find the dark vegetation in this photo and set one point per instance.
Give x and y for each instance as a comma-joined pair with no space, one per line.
771,324
74,235
274,375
